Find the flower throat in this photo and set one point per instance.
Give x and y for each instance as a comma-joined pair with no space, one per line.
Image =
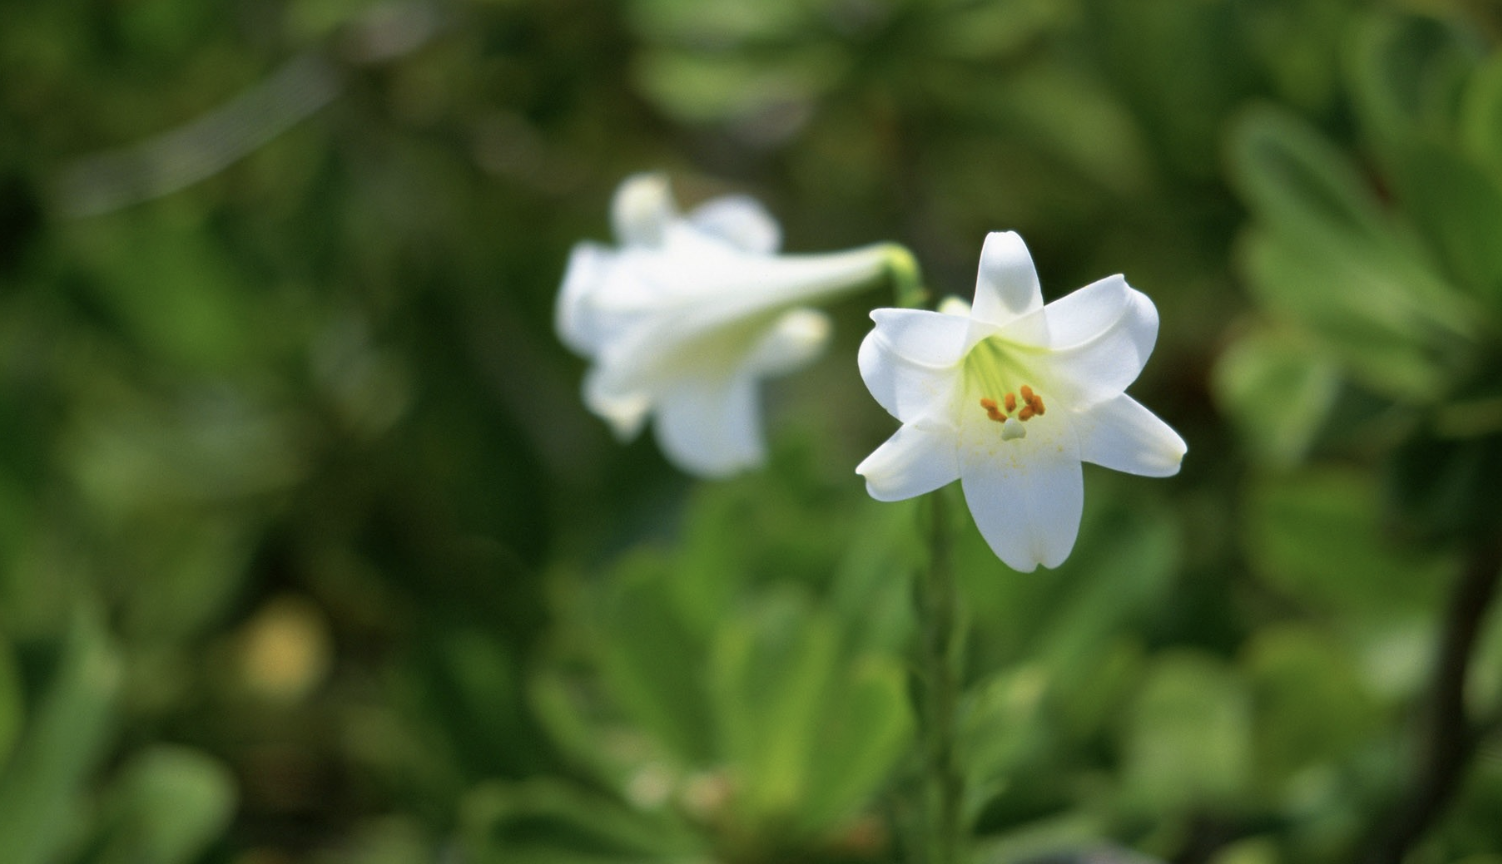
1005,411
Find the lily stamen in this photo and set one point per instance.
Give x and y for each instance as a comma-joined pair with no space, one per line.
1032,407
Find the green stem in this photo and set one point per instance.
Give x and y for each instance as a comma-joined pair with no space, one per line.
907,281
938,692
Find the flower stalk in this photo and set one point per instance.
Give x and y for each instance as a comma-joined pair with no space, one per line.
937,603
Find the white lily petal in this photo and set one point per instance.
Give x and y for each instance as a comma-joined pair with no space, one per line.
698,336
625,410
911,462
741,221
711,428
715,286
642,210
686,337
1102,367
1122,435
926,338
1026,497
908,361
589,266
796,340
751,284
1083,315
1007,285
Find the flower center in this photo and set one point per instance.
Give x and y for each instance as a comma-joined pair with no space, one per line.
1011,426
993,370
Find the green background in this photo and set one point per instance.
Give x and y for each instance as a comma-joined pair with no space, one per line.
310,552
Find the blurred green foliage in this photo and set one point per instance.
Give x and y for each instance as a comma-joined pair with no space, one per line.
310,552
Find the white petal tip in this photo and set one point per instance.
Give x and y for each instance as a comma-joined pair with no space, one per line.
1006,285
641,210
1001,255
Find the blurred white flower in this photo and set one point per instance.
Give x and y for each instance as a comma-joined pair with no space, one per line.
1011,396
689,312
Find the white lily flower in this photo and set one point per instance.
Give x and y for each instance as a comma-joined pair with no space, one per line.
689,312
1011,396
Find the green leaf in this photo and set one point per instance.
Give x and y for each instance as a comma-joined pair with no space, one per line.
1365,306
175,291
988,31
1070,116
698,88
12,702
1043,839
128,452
550,821
41,789
1446,489
1277,392
864,728
166,807
719,21
1319,537
653,663
1188,742
771,671
1293,40
309,20
1408,74
1324,256
1311,707
999,727
1458,206
871,590
1484,687
474,688
1481,117
1181,65
1412,78
1252,850
389,839
184,573
1295,181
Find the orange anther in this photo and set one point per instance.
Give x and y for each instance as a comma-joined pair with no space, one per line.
1026,413
1027,394
1011,402
988,404
1037,405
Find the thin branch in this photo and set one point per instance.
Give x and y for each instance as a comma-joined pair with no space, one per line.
104,182
1450,738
